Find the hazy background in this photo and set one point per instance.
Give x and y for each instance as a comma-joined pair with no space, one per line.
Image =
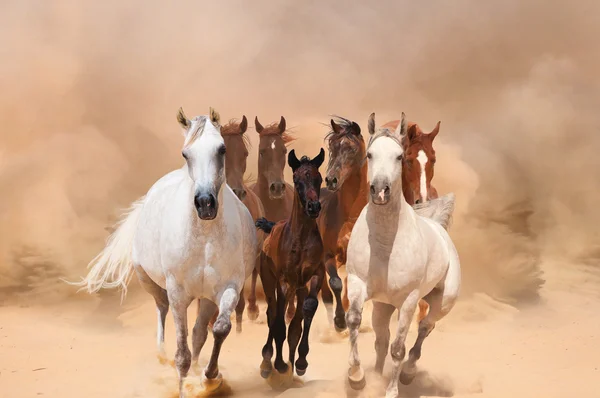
89,91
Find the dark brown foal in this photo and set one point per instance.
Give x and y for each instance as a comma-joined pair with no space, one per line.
294,253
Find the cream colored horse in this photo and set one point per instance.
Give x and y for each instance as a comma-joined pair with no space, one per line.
396,257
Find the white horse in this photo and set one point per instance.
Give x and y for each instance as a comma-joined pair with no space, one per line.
189,238
396,256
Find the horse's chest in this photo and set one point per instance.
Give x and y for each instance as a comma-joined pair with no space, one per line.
396,271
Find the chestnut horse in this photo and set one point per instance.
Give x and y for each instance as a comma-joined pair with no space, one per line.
294,252
346,178
237,144
276,195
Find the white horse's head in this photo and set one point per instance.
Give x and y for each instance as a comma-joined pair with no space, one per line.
204,153
384,154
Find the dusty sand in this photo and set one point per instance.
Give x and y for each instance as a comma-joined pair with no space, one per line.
95,348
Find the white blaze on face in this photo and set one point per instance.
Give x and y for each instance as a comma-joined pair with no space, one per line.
273,145
422,158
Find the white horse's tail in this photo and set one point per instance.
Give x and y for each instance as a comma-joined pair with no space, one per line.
439,210
113,266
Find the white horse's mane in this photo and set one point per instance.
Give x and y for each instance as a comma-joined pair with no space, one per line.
439,210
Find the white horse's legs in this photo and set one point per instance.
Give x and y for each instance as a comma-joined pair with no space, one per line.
221,329
439,306
206,310
180,302
382,313
357,295
162,308
398,350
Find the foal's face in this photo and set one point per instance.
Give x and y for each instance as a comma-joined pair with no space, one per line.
385,154
307,181
271,156
204,153
346,153
419,162
237,154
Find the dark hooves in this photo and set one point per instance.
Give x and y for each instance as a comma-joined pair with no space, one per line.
407,378
340,324
300,372
265,373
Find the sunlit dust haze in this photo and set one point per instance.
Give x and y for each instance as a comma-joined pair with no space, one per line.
90,90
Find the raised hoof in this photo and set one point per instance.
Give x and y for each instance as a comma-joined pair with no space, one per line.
356,378
407,378
300,372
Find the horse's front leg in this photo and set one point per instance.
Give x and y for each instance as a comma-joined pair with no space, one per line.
335,282
357,294
206,310
309,308
179,301
398,349
279,330
253,310
221,329
295,328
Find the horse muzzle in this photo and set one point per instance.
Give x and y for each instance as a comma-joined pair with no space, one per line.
313,208
380,192
206,206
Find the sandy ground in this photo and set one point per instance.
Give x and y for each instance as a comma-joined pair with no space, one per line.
96,348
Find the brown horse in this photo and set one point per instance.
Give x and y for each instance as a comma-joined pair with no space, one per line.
294,252
276,195
346,179
235,167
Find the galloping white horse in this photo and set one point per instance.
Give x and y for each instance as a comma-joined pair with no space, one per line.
189,238
396,257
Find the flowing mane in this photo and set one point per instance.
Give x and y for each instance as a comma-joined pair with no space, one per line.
233,128
273,129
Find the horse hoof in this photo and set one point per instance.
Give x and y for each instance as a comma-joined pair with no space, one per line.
356,378
340,324
407,378
279,381
300,372
253,314
266,368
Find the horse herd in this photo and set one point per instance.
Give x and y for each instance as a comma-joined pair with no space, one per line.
200,231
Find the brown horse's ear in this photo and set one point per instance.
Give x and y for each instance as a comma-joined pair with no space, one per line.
243,125
413,132
336,127
355,128
293,161
184,122
282,125
259,127
435,131
401,129
318,160
372,123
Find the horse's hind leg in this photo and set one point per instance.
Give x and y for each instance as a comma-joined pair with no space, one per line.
398,349
295,328
162,308
335,282
382,313
179,301
439,305
357,293
239,312
279,330
221,329
268,281
206,310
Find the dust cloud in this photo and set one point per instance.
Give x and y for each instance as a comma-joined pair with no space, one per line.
90,90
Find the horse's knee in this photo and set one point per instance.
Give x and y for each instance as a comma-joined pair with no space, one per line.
309,308
336,284
221,328
398,351
353,319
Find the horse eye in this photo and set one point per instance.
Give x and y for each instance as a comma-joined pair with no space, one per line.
184,155
368,155
432,161
222,150
399,158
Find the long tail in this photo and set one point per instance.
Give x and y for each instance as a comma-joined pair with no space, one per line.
264,225
439,210
113,266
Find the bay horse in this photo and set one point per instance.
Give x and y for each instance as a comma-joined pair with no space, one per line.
396,256
237,144
188,238
295,258
276,195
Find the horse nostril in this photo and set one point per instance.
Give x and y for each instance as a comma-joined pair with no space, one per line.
372,189
272,188
418,201
386,190
334,181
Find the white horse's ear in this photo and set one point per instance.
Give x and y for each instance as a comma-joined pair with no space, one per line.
372,123
184,122
215,118
401,129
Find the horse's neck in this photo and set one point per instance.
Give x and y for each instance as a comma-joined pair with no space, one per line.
388,221
354,193
300,223
406,191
